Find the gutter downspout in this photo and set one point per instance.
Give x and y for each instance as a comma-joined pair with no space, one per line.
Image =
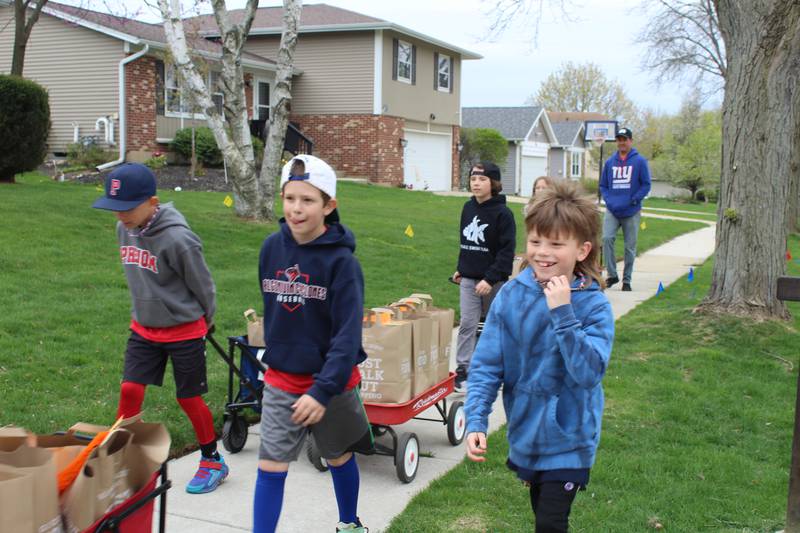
123,137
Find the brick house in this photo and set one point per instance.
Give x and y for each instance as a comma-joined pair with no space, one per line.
378,100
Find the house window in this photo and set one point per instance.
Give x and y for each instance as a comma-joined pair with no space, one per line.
405,62
575,167
262,100
444,69
177,102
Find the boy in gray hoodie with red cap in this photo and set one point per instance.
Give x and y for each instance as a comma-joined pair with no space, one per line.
173,303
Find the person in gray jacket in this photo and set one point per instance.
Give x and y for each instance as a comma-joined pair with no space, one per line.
173,303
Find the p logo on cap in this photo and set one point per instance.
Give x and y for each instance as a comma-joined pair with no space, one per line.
115,185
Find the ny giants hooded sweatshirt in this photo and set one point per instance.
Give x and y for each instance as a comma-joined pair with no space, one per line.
624,183
313,307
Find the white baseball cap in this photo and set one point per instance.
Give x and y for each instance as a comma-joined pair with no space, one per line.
318,173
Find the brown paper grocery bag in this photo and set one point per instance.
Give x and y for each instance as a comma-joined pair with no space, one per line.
425,338
16,501
255,329
386,373
38,464
115,470
446,319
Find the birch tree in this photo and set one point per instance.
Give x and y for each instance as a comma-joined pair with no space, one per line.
281,103
253,194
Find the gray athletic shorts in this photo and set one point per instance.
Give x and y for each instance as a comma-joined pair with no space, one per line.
343,428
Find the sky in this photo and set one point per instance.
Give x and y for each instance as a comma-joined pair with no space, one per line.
513,66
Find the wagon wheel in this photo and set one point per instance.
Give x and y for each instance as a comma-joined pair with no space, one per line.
312,452
234,432
406,457
456,423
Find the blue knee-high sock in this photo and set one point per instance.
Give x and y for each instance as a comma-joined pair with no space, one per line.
345,485
268,501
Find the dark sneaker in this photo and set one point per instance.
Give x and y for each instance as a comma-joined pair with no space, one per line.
209,476
610,282
352,527
626,287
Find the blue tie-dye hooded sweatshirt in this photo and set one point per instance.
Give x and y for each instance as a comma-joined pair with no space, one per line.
550,363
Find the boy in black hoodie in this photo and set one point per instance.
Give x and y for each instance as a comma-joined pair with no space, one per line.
313,292
488,238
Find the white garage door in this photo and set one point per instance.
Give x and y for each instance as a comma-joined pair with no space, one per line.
532,167
427,161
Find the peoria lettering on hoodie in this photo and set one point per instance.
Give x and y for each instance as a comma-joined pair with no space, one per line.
292,287
133,255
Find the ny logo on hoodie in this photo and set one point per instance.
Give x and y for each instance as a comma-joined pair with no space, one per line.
621,177
292,288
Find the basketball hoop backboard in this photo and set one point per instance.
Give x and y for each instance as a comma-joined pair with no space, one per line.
600,130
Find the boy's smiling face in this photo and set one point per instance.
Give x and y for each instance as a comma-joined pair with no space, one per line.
555,256
305,210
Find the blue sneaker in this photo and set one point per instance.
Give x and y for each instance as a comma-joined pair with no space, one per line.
209,476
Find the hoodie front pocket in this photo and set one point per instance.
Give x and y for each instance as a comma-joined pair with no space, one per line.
152,311
533,426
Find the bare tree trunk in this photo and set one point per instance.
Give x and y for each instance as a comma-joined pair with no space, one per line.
281,107
760,154
24,19
232,138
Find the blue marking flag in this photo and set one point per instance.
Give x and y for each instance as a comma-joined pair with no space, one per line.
660,288
691,274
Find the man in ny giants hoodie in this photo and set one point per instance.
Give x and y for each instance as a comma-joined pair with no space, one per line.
624,184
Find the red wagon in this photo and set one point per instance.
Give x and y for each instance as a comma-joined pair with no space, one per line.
405,448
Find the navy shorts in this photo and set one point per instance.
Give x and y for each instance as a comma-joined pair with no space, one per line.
146,361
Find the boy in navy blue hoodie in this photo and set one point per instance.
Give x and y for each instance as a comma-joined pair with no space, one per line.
313,292
624,184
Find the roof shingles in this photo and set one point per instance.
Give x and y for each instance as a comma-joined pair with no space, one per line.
513,123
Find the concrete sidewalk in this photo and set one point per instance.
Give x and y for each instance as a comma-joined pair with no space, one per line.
309,503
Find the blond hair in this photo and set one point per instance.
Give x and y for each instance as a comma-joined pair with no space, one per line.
562,212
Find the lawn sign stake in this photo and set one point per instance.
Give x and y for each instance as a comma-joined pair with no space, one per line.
660,288
789,290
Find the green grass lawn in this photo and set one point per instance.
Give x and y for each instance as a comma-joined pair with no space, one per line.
696,433
663,203
65,303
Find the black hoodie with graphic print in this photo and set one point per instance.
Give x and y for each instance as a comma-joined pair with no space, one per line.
488,239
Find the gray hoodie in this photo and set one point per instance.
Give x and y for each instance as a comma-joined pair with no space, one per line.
168,279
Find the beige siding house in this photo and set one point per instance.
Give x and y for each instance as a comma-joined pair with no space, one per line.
378,100
108,82
82,86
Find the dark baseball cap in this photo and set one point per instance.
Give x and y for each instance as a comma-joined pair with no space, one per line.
624,132
127,186
490,170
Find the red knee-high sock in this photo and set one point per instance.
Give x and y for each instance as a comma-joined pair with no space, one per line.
200,417
131,396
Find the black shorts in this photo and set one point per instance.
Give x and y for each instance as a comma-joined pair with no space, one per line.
145,362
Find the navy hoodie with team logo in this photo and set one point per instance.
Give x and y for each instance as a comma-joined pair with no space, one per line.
488,238
313,306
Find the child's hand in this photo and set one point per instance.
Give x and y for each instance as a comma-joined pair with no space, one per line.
557,292
476,447
483,288
456,277
307,411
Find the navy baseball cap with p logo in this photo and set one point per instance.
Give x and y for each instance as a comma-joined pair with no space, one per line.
127,186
